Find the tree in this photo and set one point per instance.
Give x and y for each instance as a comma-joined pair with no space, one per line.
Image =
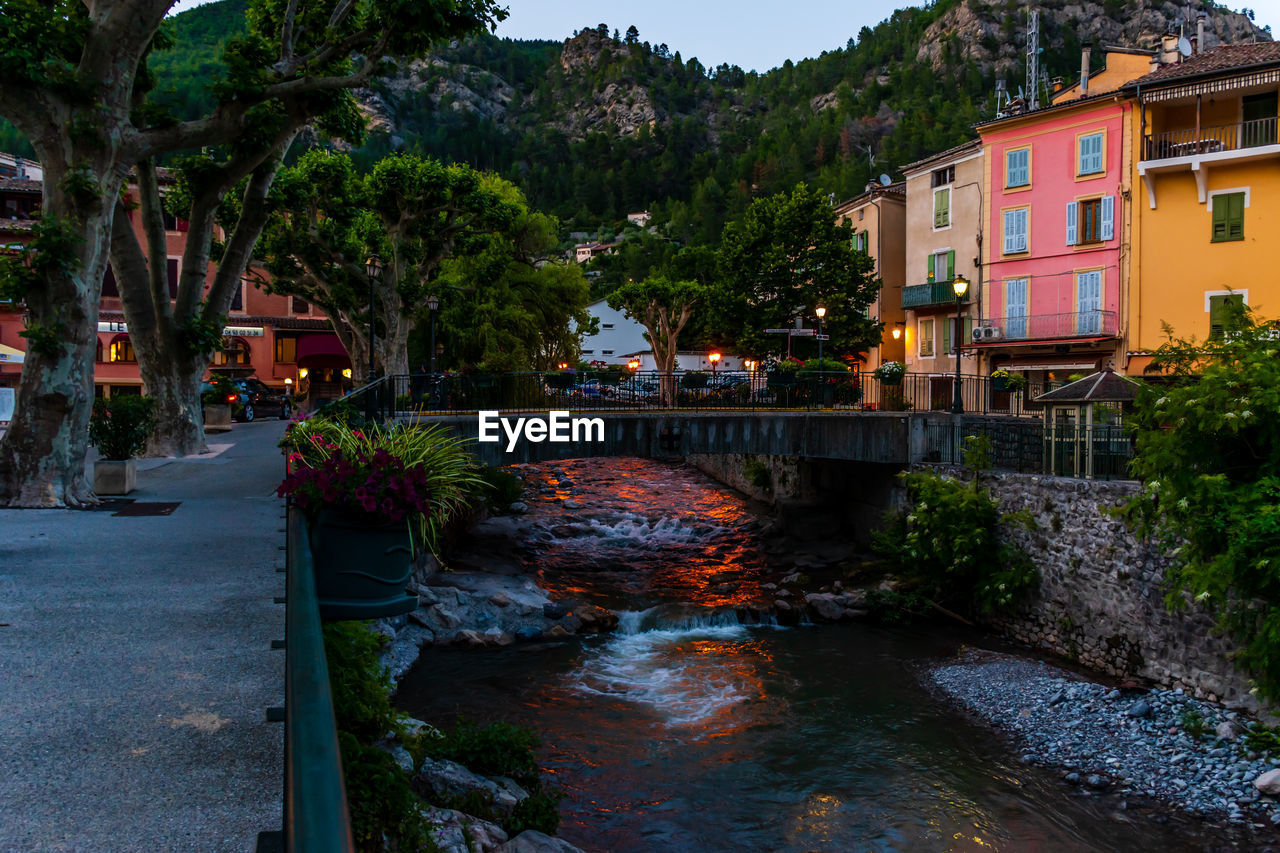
1208,453
785,257
663,307
75,85
633,35
411,212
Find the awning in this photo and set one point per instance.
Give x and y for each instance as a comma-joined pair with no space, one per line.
321,351
9,355
1042,365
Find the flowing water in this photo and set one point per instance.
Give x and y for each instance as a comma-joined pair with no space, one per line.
687,730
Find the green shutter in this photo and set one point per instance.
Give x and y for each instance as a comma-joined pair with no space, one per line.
947,323
1219,219
1218,312
931,271
951,266
1235,216
966,331
942,208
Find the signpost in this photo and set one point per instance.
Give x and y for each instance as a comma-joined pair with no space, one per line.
796,333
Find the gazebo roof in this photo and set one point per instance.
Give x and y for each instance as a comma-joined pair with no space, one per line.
1105,386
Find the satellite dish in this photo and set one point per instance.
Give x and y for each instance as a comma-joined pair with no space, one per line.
885,180
1184,46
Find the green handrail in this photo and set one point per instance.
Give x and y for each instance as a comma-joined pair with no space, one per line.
316,817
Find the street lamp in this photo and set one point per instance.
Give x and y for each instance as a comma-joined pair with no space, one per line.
960,285
897,331
714,358
821,312
372,272
433,302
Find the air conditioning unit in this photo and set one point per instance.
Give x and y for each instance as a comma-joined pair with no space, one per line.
992,333
978,333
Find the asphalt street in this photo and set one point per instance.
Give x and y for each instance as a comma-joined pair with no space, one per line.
135,662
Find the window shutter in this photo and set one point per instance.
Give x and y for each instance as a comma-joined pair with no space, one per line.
1020,236
947,324
932,272
1072,215
942,208
1010,238
951,265
1215,315
1220,218
1235,216
1108,217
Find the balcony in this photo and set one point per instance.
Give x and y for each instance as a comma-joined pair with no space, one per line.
1047,327
933,295
1196,150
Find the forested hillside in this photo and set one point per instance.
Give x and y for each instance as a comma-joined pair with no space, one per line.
607,123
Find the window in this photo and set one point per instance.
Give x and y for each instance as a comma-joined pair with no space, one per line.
606,325
942,207
1228,217
926,338
606,352
1091,221
286,349
122,351
588,352
1017,168
299,306
860,240
942,177
1015,308
948,333
1015,231
1218,311
942,266
97,355
1089,302
1090,154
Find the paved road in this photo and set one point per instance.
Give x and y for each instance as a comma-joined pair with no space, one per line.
135,662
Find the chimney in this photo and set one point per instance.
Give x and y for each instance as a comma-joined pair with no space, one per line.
1200,31
1169,49
1084,70
1057,83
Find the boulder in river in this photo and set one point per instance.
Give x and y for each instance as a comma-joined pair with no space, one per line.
448,781
532,841
452,829
824,606
1269,782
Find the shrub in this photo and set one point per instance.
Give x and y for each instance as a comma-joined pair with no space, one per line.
758,475
890,371
119,426
500,487
825,365
693,379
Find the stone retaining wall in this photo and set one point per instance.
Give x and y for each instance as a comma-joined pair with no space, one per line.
1101,600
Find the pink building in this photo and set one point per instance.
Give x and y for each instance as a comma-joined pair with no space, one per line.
1055,276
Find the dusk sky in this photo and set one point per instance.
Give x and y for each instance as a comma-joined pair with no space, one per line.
756,35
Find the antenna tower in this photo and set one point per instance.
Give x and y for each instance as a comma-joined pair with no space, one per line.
1033,60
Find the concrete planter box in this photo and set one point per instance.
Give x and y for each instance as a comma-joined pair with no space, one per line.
217,417
115,476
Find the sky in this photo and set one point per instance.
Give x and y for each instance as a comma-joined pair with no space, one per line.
754,34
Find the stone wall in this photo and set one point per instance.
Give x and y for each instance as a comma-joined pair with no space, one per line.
1101,600
768,479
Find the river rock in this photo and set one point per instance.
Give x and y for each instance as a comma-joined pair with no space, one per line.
782,605
556,632
554,610
448,782
532,841
570,503
595,619
1141,708
518,508
495,636
452,829
1227,730
1269,782
824,606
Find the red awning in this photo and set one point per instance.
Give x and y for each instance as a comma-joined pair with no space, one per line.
321,351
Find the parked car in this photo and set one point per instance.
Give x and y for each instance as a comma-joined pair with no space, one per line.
261,400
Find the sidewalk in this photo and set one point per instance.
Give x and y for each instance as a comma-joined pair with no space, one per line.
135,662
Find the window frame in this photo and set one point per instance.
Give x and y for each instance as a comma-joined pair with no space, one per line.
1082,175
1220,202
1004,230
1009,187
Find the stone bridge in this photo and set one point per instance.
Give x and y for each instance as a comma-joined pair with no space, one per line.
895,438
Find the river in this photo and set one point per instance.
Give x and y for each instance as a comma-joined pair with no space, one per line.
687,730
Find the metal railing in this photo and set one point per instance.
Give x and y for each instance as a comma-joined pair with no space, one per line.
1048,327
1100,451
316,817
406,396
1188,141
932,294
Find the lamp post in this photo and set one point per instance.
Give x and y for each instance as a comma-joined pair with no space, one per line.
372,272
433,302
821,312
960,285
714,358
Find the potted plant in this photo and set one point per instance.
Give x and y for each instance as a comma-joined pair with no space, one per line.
362,506
218,399
890,373
119,428
1003,380
782,374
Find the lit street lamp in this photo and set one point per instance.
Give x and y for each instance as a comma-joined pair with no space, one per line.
714,358
433,302
960,285
821,312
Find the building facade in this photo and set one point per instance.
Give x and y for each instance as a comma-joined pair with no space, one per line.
944,220
1207,193
617,336
879,221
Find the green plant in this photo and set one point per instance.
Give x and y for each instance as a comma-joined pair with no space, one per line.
497,749
386,815
758,475
825,365
1010,381
890,371
221,391
694,379
1193,722
977,453
1263,739
119,426
500,487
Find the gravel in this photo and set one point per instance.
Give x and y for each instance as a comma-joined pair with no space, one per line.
1129,742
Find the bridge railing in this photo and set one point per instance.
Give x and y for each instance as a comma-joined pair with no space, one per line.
861,391
1096,451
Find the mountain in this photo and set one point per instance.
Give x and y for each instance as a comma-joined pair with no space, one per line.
604,124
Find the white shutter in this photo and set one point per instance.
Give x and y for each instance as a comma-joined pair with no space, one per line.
1010,238
1108,217
1072,212
1020,217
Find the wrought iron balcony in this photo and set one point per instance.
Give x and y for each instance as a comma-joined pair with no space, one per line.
930,295
1047,327
1189,141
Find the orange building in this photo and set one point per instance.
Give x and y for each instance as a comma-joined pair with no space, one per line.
879,220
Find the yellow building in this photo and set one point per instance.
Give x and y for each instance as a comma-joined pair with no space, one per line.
879,220
1207,193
